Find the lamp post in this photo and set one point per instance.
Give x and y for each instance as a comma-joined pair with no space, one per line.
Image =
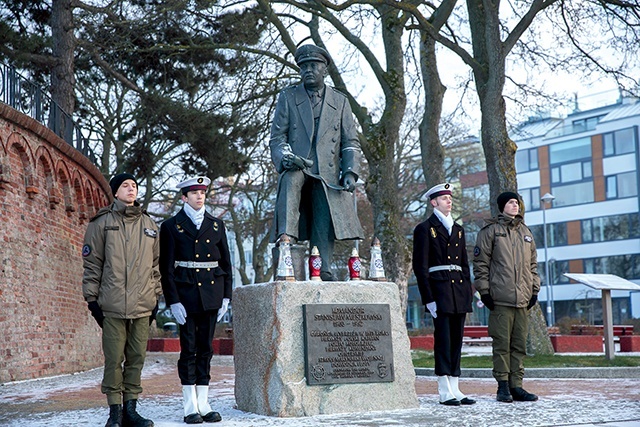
547,198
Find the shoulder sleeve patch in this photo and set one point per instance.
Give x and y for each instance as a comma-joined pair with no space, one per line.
86,250
476,251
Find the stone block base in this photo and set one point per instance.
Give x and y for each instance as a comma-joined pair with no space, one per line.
270,359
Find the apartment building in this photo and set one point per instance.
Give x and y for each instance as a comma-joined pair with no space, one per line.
589,163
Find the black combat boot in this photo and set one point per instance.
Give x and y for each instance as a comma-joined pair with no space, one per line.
522,395
503,394
131,418
115,416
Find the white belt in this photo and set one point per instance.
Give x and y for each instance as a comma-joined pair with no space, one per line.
196,264
449,267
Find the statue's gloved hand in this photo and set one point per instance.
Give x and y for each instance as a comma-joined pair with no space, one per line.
349,182
293,162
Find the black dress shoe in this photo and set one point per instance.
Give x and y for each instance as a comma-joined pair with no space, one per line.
467,401
521,395
193,419
451,402
212,417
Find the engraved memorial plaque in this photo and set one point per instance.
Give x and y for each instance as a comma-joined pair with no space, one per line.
347,343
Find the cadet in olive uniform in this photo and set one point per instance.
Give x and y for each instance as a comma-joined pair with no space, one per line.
121,285
441,267
197,281
506,275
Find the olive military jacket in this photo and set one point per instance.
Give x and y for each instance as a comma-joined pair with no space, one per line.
120,258
198,289
433,246
505,262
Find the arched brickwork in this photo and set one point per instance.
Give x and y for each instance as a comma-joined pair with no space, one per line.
48,192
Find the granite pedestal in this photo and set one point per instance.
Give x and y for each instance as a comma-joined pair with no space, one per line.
269,353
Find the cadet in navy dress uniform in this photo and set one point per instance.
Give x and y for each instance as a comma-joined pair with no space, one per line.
196,281
441,267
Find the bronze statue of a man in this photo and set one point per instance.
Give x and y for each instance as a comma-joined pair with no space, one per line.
315,149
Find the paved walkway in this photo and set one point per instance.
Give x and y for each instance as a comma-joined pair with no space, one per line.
75,400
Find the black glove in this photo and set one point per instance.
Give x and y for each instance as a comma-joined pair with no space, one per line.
532,301
154,312
96,312
487,301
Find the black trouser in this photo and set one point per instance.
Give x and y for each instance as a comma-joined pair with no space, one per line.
447,343
196,348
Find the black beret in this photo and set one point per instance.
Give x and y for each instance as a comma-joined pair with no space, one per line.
310,52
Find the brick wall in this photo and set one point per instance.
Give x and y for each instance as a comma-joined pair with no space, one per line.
48,191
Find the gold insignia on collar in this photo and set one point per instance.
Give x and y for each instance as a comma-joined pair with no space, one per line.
459,234
433,232
215,225
179,228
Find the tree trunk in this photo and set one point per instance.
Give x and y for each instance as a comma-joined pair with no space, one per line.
380,149
62,74
430,146
499,150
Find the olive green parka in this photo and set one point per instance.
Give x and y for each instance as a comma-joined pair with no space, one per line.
505,262
120,258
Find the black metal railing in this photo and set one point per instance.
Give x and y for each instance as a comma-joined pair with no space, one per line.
29,98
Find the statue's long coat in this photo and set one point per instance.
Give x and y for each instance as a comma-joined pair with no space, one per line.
338,152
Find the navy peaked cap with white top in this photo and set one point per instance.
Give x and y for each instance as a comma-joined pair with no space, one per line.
439,190
311,52
192,184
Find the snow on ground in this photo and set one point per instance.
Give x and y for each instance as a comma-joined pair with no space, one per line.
25,404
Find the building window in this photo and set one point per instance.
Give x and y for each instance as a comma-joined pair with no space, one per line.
625,266
570,151
584,125
530,198
527,160
571,172
574,194
615,227
619,142
556,234
622,185
556,270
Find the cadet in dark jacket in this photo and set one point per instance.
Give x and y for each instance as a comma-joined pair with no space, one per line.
121,284
506,275
197,281
441,266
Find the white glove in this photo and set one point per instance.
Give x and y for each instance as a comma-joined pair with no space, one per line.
179,313
222,310
432,309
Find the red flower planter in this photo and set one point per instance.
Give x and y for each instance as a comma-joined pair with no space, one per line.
423,342
629,343
163,344
577,343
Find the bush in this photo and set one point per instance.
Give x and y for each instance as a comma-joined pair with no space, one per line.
565,323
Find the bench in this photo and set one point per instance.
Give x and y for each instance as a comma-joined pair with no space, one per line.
476,335
618,330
